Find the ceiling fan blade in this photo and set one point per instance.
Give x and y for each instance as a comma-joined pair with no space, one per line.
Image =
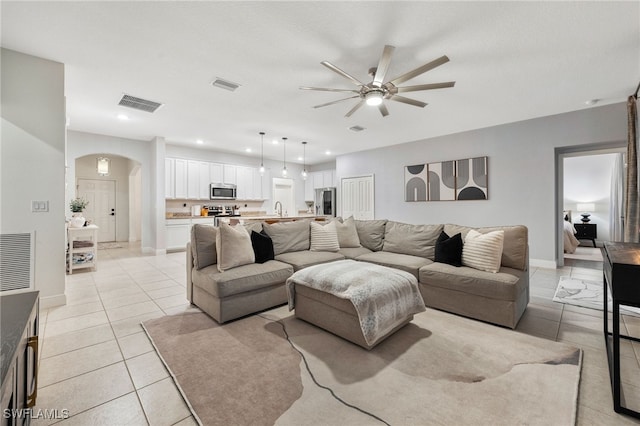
383,66
335,102
383,110
324,89
342,73
420,70
355,108
408,101
426,87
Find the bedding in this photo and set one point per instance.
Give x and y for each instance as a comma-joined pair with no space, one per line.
570,240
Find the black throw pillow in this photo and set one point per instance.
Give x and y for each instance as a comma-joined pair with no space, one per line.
262,246
449,249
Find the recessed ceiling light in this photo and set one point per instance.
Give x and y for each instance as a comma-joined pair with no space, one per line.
299,158
199,141
123,117
328,152
248,150
275,141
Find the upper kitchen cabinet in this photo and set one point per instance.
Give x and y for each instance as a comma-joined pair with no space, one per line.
169,178
229,174
309,190
180,178
216,172
323,179
204,177
193,180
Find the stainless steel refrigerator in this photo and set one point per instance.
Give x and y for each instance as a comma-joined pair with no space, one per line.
326,202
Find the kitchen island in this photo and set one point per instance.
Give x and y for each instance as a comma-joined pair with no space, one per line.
273,218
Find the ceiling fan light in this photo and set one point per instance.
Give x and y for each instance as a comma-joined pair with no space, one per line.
374,98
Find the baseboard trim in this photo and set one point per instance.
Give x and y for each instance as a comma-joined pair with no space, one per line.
541,263
153,252
47,302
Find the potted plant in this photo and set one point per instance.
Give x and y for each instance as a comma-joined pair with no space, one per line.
77,205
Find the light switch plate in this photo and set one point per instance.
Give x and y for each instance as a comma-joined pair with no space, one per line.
39,206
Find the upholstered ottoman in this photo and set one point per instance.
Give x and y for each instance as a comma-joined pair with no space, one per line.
358,301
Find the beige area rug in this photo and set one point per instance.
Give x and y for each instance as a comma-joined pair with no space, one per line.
593,254
440,369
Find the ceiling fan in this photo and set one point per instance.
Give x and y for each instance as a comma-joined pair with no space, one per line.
376,91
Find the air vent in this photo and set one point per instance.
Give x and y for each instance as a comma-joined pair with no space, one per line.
356,128
225,84
139,103
16,261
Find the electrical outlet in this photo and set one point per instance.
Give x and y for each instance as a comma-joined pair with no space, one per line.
39,206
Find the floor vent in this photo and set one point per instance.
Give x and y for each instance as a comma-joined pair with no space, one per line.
16,261
225,84
139,103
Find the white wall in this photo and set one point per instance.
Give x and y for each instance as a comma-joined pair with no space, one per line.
522,178
119,169
33,163
80,144
587,179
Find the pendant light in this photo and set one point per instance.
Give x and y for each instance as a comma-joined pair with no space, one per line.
284,157
304,161
261,153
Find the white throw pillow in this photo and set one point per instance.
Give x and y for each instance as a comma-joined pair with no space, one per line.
324,238
347,233
233,246
483,251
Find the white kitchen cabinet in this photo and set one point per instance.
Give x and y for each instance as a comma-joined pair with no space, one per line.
169,178
318,182
229,174
329,178
257,184
309,190
244,182
266,185
193,179
180,178
216,172
178,233
204,178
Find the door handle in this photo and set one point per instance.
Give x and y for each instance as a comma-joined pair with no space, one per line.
113,214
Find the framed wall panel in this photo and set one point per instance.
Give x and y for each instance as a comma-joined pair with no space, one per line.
415,183
442,181
472,179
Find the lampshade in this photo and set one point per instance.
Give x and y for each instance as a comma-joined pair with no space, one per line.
374,97
586,207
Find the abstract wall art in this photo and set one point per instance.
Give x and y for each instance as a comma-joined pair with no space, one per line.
447,180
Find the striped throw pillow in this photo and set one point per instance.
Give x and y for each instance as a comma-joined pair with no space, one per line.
324,238
483,251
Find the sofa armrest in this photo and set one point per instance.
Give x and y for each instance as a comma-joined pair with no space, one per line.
189,269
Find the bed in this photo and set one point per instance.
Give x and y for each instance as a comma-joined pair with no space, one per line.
569,238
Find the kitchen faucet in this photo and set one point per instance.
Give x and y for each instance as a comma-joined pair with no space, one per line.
276,207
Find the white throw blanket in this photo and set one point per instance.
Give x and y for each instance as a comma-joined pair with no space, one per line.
383,297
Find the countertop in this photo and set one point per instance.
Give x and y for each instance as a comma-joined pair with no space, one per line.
14,312
263,217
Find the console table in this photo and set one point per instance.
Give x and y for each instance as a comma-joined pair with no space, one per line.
82,249
621,272
586,231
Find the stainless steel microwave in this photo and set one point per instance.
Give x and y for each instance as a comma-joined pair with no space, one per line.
222,191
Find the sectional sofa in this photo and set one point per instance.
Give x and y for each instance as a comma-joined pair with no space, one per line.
496,294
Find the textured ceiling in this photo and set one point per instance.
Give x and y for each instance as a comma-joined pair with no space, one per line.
511,61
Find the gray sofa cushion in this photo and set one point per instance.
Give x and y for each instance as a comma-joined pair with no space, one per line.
371,233
416,240
233,246
302,259
288,236
514,251
347,233
241,279
203,245
353,252
253,226
404,262
504,285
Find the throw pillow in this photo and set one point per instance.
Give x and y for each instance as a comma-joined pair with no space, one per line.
324,238
262,246
371,233
449,249
483,251
415,240
347,233
234,247
203,245
288,236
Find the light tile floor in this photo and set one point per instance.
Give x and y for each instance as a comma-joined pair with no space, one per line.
97,362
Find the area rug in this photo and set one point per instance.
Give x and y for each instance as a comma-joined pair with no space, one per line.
586,253
587,294
273,368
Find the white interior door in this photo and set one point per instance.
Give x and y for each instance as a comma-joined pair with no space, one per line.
101,209
357,195
283,192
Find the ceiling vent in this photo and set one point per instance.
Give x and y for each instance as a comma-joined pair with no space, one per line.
356,128
225,84
139,103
